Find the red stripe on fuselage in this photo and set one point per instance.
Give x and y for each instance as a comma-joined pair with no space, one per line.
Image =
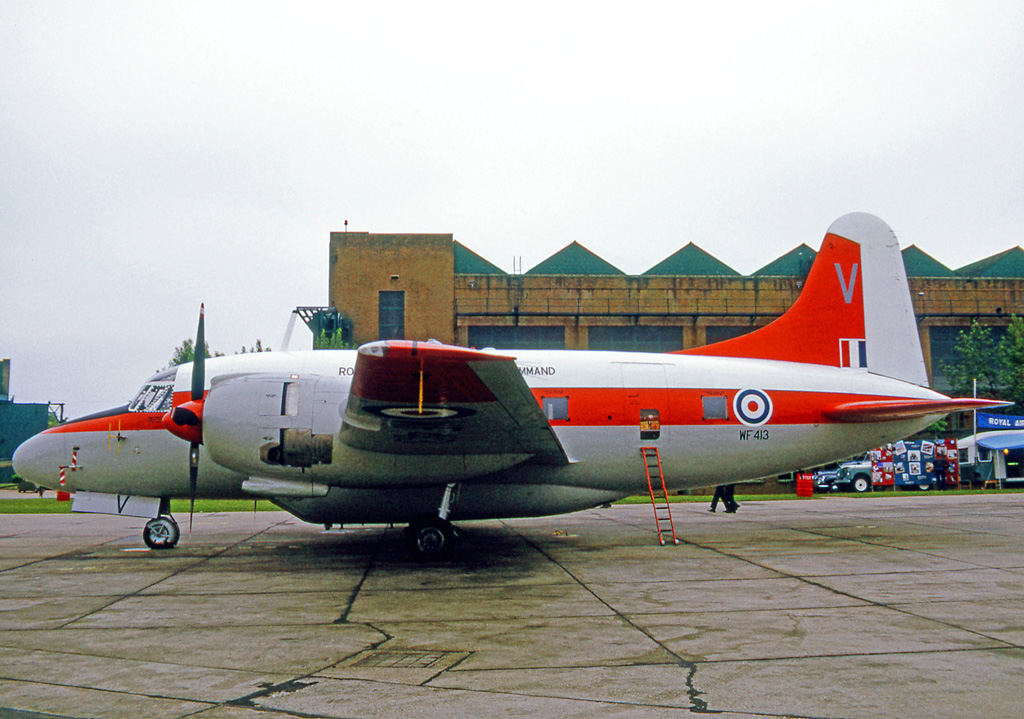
589,407
679,407
124,422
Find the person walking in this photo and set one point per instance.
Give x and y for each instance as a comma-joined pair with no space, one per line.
725,493
729,499
719,492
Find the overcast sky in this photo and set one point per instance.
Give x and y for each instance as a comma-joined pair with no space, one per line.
156,155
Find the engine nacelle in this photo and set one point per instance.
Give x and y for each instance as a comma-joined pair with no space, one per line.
288,427
273,425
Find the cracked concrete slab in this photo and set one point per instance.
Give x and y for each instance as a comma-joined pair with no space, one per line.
903,605
43,701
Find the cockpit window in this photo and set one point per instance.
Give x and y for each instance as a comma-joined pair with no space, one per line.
166,375
153,397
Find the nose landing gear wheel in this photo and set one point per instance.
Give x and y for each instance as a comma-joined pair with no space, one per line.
161,533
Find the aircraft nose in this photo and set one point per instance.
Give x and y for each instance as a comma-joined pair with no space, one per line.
38,459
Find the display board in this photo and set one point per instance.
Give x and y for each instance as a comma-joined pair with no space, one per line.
916,462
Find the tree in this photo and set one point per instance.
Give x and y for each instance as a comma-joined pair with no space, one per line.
257,348
186,352
979,360
331,342
1011,361
997,365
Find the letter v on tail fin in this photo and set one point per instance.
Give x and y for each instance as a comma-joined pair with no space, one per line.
854,310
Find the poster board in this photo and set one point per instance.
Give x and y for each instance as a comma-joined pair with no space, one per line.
911,463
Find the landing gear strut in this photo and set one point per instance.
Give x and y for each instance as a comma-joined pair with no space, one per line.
161,533
432,537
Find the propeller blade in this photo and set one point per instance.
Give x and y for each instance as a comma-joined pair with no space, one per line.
199,361
198,387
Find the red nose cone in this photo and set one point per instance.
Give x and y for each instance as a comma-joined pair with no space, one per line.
186,421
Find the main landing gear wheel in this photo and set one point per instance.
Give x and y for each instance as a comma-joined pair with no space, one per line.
161,533
430,538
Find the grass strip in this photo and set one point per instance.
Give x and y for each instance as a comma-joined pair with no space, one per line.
179,507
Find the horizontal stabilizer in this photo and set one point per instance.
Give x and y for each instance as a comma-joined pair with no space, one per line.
890,410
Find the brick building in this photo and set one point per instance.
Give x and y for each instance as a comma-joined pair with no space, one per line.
421,286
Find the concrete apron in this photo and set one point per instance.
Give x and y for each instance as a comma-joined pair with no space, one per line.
904,606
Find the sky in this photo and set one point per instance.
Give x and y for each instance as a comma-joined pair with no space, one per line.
158,155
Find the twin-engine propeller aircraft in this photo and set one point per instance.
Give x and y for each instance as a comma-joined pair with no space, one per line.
426,433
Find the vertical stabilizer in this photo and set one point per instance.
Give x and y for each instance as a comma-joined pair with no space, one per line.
854,311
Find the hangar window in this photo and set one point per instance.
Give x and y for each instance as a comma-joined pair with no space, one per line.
635,338
391,314
153,397
721,333
523,337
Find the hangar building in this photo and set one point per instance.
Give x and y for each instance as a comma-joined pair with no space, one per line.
18,422
421,286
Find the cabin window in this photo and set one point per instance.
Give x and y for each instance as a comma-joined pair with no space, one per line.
555,408
715,407
650,424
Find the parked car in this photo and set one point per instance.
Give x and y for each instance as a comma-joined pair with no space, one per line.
26,486
854,475
824,479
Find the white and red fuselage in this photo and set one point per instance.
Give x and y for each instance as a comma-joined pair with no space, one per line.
377,434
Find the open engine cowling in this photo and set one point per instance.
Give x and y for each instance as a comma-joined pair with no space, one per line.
289,427
273,425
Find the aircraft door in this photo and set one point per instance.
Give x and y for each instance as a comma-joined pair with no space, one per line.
646,403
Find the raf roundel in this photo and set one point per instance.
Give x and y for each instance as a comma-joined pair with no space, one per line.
753,407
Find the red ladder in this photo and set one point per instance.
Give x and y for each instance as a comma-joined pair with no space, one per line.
659,495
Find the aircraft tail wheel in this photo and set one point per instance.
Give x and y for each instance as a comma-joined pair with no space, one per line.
431,538
161,533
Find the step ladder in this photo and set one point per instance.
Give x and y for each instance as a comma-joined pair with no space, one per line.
659,495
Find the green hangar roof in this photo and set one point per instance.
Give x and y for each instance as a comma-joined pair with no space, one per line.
692,260
795,263
1009,263
468,262
919,263
574,259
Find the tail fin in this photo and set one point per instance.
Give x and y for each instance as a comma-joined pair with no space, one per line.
854,310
